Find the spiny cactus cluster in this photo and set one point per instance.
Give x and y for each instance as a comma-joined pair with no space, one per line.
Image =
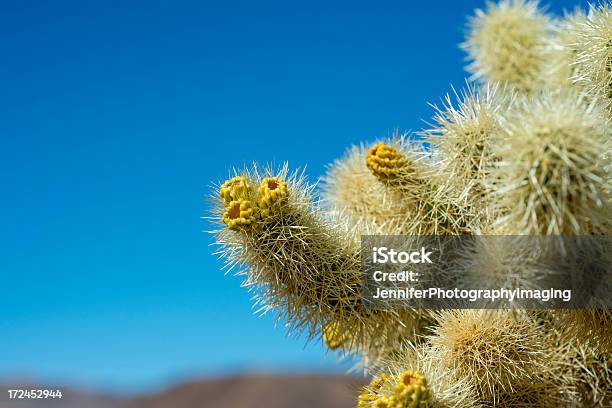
523,150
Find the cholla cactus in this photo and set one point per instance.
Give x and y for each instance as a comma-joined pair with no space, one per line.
353,189
593,374
525,151
562,51
552,177
591,328
445,389
507,43
302,265
497,350
462,136
593,57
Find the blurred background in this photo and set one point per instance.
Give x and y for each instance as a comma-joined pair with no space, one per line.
116,117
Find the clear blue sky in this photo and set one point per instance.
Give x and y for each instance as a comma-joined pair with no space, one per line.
115,118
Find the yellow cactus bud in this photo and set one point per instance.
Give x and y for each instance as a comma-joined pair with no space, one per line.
237,188
385,402
378,382
272,192
368,394
333,337
365,399
386,163
239,214
411,390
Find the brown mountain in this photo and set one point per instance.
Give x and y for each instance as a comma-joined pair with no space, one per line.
248,391
305,391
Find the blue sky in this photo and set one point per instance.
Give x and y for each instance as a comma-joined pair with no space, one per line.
115,119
